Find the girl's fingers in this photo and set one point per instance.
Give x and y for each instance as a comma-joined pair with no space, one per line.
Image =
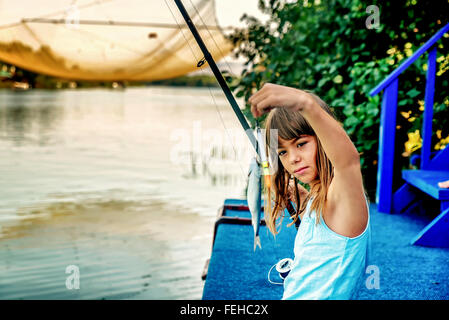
264,105
255,107
271,96
444,184
257,99
260,93
254,111
261,100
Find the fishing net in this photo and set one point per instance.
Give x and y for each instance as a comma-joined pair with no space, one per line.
107,40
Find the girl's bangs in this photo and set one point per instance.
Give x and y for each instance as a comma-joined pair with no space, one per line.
290,125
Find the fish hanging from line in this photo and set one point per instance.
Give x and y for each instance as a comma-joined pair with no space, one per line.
257,169
253,197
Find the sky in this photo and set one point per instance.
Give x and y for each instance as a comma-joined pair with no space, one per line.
230,11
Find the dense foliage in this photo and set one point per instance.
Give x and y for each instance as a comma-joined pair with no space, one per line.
326,47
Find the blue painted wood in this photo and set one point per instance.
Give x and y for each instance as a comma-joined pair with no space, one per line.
236,271
433,170
403,197
427,181
387,132
392,76
415,159
235,202
441,160
239,203
436,233
444,205
428,109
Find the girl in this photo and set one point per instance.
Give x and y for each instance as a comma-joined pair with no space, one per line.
333,237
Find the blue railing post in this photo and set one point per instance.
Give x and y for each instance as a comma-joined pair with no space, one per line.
384,191
428,108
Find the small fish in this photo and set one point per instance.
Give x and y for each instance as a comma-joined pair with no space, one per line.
253,196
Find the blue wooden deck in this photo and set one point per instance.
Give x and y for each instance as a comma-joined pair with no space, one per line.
406,271
236,272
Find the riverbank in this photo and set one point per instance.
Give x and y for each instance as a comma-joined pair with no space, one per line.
21,79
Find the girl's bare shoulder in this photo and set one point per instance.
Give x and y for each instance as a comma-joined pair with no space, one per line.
346,210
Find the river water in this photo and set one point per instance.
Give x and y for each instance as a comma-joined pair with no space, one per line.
112,194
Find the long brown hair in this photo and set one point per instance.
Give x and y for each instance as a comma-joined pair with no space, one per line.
290,125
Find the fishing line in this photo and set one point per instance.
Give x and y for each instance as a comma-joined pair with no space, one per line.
210,91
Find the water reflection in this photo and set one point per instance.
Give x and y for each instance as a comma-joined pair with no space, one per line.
92,178
26,117
206,167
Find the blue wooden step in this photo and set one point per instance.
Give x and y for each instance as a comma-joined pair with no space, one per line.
235,202
427,181
436,233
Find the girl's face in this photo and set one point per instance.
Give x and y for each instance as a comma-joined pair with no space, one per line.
297,154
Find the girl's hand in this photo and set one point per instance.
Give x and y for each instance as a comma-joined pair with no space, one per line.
443,184
274,96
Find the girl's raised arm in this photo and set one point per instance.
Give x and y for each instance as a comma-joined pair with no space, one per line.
346,210
336,143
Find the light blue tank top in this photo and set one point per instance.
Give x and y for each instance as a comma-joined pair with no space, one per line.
327,265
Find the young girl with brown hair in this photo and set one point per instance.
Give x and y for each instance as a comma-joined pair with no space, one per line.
312,148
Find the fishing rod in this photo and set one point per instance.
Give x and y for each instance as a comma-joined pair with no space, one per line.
254,190
221,81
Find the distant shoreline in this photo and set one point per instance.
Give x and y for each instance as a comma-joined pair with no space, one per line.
43,82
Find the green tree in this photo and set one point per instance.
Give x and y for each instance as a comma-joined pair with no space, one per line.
325,46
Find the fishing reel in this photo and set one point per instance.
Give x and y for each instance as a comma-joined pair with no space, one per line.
283,267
